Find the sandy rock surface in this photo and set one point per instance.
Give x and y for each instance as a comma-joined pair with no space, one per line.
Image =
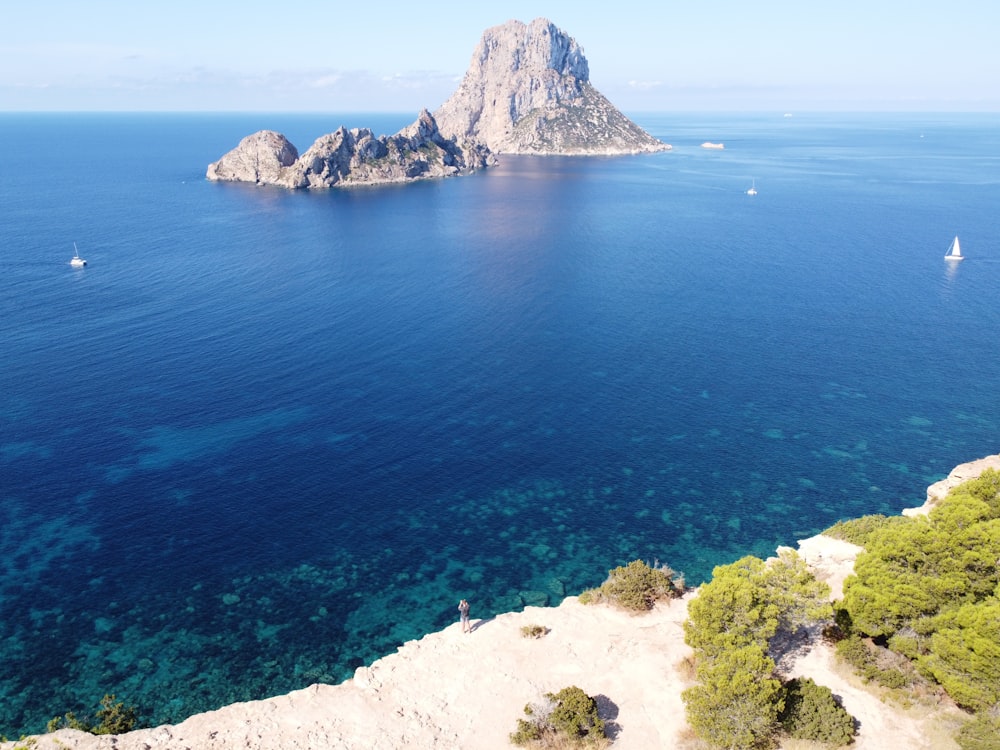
451,689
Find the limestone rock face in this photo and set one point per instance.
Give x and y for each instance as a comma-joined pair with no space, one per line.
528,91
258,158
351,157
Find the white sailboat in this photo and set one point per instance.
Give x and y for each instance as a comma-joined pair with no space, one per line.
753,187
76,261
954,251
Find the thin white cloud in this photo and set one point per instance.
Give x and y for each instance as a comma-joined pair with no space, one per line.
644,85
419,80
144,86
326,81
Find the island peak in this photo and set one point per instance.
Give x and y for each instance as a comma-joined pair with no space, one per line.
528,91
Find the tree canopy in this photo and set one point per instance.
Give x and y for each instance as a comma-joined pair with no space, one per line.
731,624
931,588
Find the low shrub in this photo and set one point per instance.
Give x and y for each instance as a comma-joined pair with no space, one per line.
812,712
67,721
115,718
876,664
636,586
528,730
534,631
112,718
687,668
568,718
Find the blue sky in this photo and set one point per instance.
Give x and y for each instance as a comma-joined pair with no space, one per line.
660,55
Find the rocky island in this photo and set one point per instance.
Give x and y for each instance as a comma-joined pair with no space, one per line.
350,157
527,91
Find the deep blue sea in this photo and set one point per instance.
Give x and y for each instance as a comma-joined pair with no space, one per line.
265,436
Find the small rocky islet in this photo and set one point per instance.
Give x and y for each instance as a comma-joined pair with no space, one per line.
527,91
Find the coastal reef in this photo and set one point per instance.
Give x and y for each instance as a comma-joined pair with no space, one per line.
527,91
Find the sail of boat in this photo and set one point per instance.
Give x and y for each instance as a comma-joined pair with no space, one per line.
955,250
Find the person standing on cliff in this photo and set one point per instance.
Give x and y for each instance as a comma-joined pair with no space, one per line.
463,611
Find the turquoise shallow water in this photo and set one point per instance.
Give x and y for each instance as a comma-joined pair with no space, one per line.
265,437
